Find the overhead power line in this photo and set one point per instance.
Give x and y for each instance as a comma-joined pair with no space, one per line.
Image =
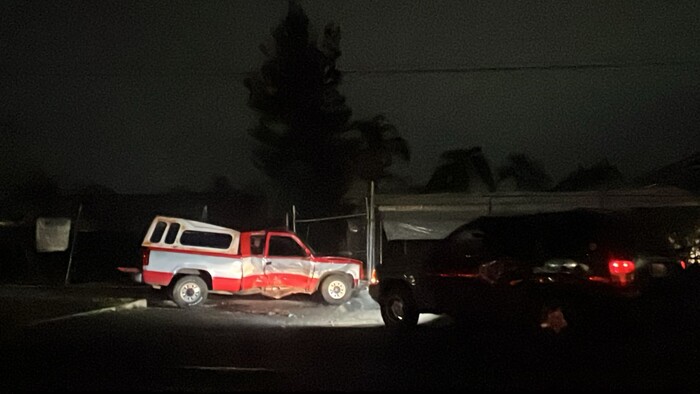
21,70
476,69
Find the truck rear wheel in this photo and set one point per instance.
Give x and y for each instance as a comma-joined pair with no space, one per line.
336,289
190,290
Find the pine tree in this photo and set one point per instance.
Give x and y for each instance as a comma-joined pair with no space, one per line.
303,130
301,115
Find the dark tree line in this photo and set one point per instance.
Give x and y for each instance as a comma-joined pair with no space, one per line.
468,170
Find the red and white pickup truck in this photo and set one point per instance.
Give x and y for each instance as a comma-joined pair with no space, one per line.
190,259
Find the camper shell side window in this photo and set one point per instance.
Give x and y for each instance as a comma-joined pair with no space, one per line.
172,233
206,239
158,232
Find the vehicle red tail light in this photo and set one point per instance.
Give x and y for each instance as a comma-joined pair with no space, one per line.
145,254
621,267
621,271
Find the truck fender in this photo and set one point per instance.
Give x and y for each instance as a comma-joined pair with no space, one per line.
204,274
326,274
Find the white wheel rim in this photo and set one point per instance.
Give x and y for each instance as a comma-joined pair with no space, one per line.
336,289
190,292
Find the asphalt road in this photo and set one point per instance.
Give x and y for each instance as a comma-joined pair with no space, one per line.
256,344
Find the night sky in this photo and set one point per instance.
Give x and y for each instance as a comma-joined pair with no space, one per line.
144,96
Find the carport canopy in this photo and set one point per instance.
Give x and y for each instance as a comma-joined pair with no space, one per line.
435,216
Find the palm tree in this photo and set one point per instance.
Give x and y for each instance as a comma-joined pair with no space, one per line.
602,175
375,148
459,169
527,173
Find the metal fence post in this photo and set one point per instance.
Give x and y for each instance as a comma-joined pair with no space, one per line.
370,233
72,247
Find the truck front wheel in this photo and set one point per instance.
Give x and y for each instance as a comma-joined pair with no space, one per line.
399,309
336,289
189,291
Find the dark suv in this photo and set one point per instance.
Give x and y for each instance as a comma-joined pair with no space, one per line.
544,270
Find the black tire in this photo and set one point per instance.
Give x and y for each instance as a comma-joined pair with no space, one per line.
189,291
336,289
398,309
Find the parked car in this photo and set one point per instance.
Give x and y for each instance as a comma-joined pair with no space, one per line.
549,270
189,259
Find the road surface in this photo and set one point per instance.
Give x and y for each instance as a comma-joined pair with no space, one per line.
257,344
